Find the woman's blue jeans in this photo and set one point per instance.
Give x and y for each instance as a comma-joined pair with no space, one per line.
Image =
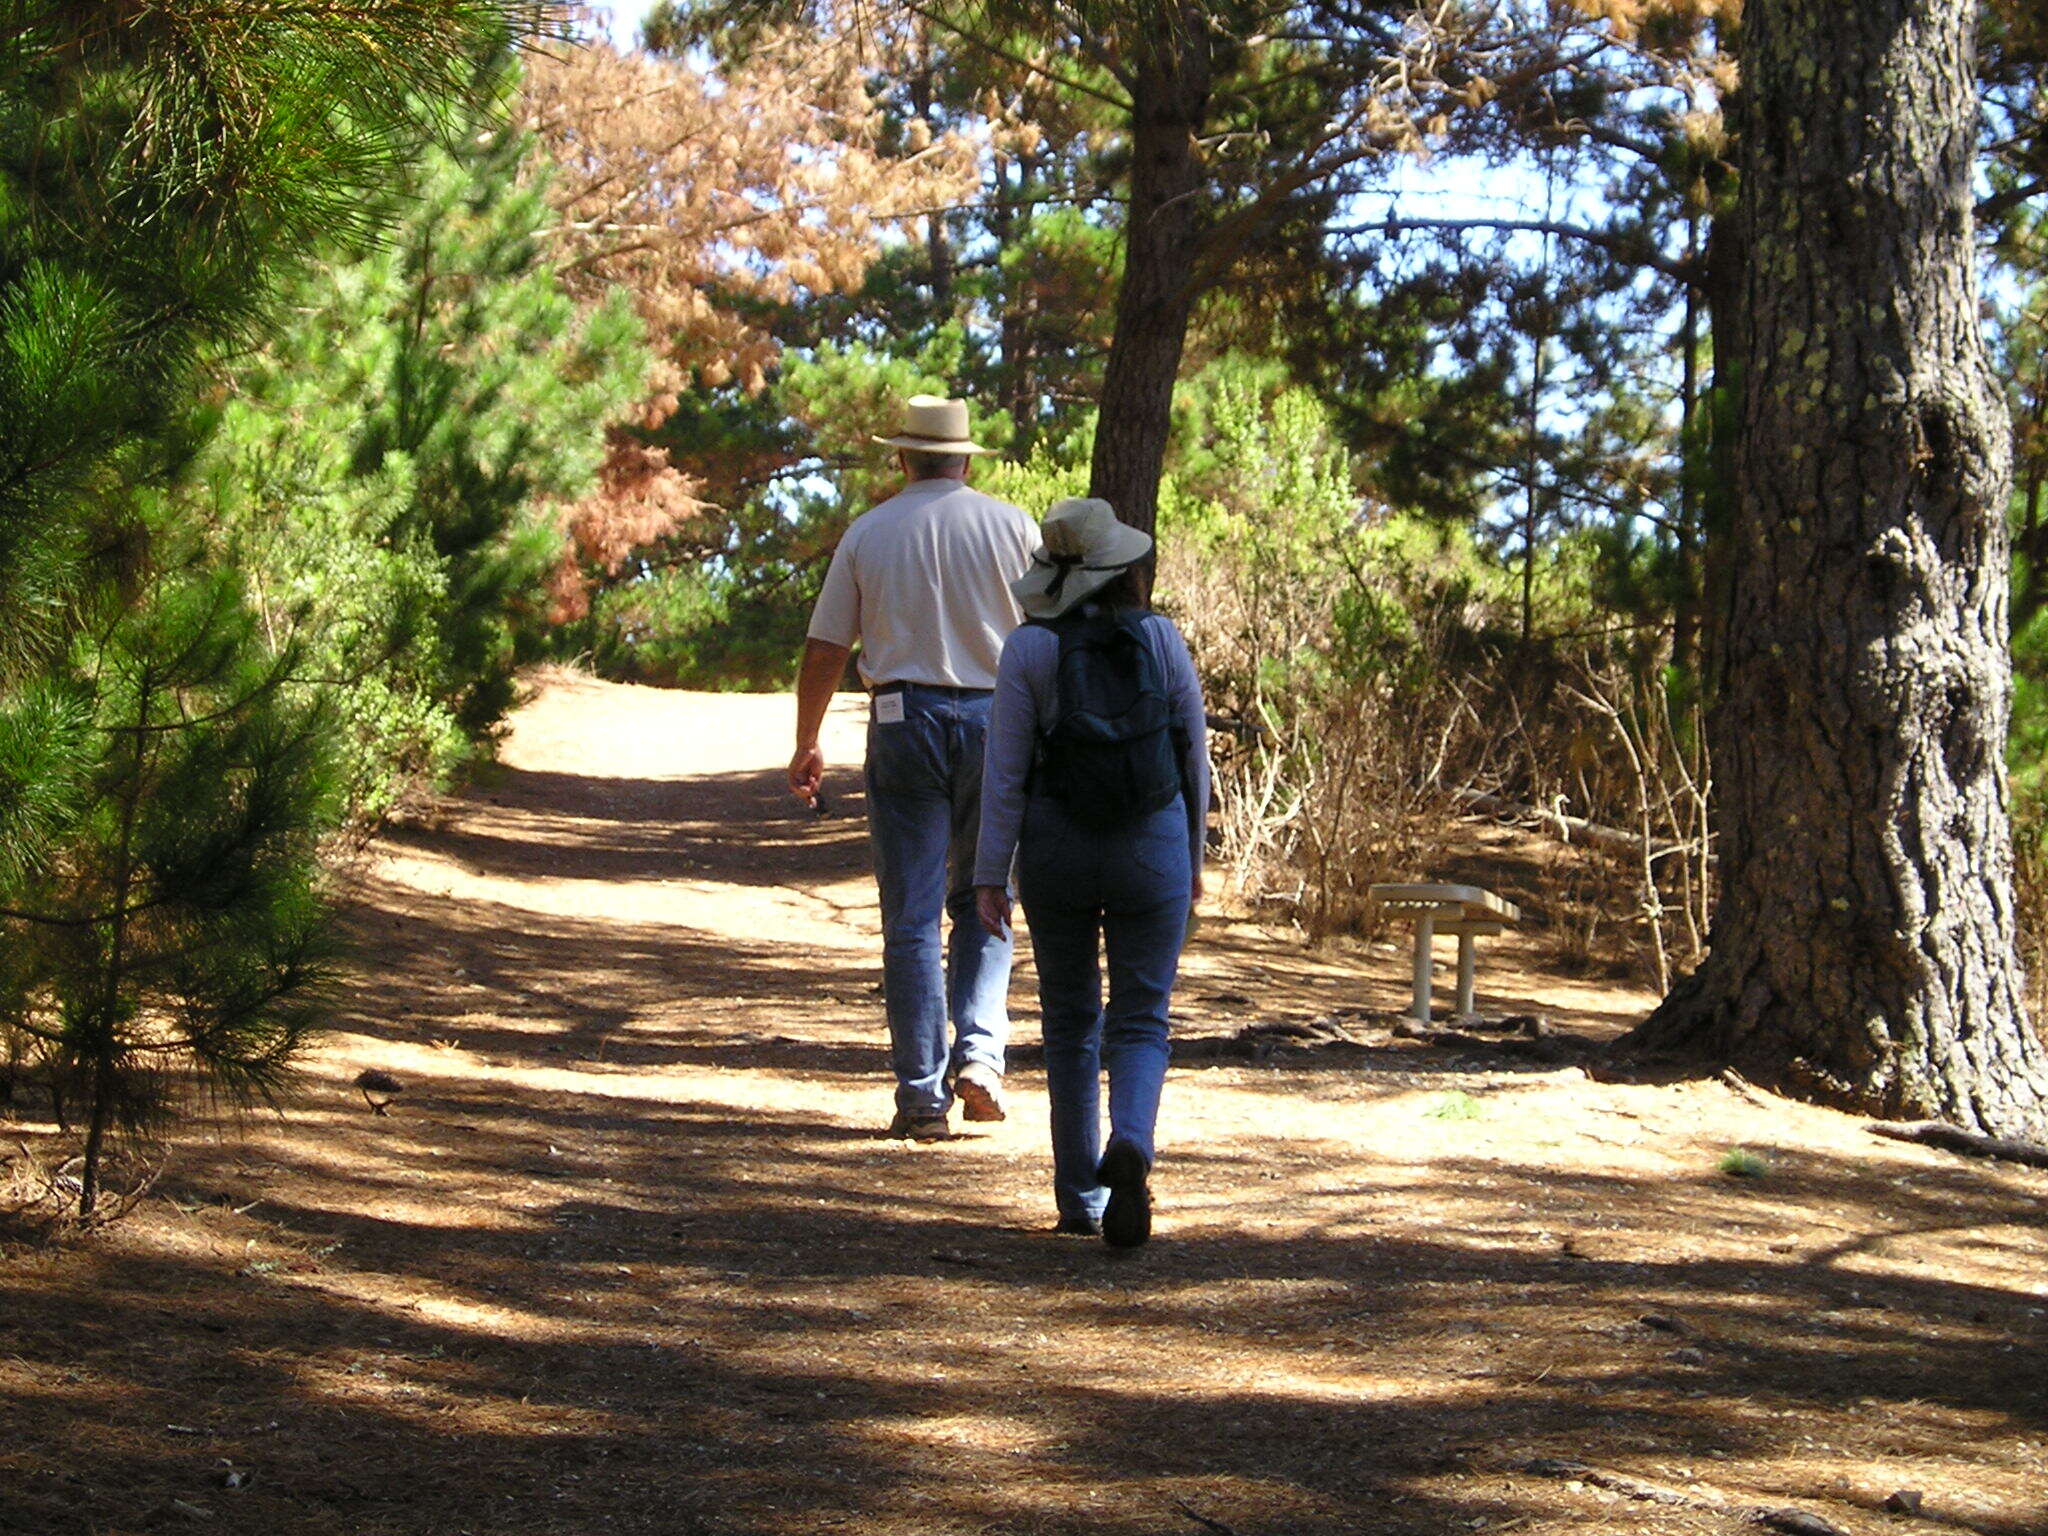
924,817
1126,890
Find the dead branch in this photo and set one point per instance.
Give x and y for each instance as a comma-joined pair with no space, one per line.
1565,828
1792,1522
1550,1048
1953,1138
1742,1087
1614,1482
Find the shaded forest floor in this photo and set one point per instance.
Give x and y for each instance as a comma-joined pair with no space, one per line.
629,1254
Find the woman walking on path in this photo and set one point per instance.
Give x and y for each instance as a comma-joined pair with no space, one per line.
1097,784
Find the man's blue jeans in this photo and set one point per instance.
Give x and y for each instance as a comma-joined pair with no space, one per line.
924,815
1123,894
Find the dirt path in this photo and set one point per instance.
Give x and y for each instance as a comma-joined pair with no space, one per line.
629,1256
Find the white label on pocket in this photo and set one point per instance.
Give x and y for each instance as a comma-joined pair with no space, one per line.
888,709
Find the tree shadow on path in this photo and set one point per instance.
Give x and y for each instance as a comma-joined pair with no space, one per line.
629,1255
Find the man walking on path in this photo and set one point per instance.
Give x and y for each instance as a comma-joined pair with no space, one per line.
921,583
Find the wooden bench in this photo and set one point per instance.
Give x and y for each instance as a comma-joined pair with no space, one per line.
1464,910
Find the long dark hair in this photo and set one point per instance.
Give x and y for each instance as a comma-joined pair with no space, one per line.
1126,589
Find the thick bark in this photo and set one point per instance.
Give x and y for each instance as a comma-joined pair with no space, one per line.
1726,264
1862,951
1169,103
1685,609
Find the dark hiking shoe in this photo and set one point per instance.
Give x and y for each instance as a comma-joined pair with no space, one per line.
980,1092
1077,1226
1127,1219
909,1127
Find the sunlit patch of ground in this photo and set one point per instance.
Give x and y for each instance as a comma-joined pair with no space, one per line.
628,1254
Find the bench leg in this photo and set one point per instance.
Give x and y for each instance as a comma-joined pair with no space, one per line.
1425,934
1466,947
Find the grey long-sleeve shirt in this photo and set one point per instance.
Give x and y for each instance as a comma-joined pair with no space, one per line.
1026,699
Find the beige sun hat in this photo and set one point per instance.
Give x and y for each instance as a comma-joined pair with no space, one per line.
934,425
1084,549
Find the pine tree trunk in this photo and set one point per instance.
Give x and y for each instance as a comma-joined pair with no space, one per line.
1161,243
938,242
1010,223
1863,948
1685,610
100,1113
1726,263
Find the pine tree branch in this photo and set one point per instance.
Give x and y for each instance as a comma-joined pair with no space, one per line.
2001,203
1106,59
1008,56
1612,138
1678,269
193,722
89,920
1349,140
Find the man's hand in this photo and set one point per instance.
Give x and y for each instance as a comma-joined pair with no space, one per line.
992,906
807,774
823,664
1195,890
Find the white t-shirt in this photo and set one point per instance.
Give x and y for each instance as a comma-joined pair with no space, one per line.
922,582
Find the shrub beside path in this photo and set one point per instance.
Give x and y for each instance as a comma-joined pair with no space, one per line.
629,1255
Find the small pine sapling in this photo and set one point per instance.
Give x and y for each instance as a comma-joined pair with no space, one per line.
160,908
163,169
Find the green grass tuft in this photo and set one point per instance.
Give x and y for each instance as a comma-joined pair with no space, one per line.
1741,1163
1455,1106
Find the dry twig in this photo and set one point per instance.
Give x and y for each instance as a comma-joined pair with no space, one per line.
1217,1526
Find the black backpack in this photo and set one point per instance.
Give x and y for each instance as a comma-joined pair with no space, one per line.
1111,754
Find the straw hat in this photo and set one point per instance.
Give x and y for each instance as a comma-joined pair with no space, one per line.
1085,546
934,425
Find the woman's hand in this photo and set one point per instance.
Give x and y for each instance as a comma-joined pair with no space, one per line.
992,906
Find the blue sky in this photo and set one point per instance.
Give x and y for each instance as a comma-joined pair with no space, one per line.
625,19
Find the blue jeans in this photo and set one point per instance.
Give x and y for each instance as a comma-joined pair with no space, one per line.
924,815
1128,888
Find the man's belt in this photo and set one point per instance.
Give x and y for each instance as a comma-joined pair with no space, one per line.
947,689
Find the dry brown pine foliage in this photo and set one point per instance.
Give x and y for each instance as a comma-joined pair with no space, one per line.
696,189
708,195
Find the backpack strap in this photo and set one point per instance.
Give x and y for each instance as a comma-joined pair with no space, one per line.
1175,731
1042,732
